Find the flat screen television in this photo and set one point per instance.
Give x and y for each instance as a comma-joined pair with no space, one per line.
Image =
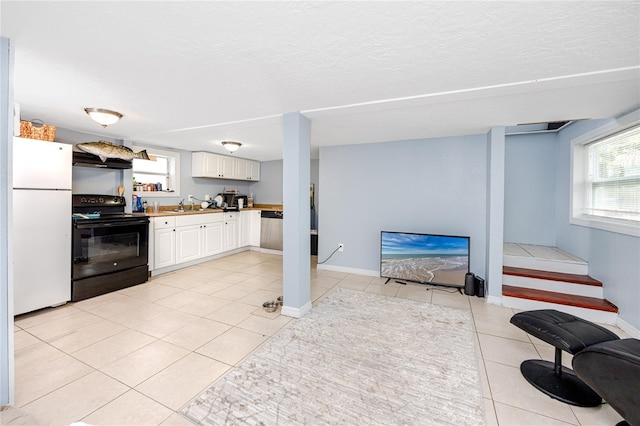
424,258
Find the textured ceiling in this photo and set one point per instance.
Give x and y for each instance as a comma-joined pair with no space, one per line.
190,74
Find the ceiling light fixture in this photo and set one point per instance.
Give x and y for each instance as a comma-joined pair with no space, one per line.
104,117
231,146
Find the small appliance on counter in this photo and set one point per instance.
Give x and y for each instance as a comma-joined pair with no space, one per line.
232,200
227,201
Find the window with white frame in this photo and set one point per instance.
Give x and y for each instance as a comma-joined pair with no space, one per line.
159,176
606,179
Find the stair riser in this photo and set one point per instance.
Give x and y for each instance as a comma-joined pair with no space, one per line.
555,286
593,315
546,265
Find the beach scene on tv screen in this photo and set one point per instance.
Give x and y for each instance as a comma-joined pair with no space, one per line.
424,258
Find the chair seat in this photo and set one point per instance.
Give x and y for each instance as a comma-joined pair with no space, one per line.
566,333
612,369
562,330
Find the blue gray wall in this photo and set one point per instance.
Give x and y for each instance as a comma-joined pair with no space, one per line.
269,189
433,186
613,258
6,289
439,186
530,189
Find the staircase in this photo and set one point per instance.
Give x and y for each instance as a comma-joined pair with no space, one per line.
539,277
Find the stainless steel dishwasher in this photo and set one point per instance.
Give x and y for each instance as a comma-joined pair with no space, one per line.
271,229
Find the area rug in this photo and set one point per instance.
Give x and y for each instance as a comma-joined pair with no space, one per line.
355,359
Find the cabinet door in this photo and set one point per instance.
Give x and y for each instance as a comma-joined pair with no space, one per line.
212,165
248,169
212,235
254,228
253,170
230,234
244,223
164,248
241,169
188,242
206,164
228,167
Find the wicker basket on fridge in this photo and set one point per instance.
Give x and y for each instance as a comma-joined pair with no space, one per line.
36,129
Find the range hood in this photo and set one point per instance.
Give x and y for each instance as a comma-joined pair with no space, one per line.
84,159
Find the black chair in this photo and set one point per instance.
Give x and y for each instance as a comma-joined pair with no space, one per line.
612,369
566,333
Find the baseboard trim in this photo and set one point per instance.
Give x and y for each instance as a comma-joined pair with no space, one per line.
335,268
494,300
177,266
290,311
628,328
270,251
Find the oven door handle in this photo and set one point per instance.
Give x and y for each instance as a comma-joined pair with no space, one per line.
94,224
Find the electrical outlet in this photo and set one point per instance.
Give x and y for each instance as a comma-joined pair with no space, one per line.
341,247
190,197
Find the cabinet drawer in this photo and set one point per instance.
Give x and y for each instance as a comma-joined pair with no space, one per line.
198,219
164,222
230,216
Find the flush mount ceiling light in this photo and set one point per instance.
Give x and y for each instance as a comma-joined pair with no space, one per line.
231,146
104,117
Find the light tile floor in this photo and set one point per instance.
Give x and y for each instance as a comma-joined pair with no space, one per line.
136,356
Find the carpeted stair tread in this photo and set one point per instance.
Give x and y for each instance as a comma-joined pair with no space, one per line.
559,298
551,276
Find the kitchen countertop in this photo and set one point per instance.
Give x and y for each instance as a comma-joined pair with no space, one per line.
171,210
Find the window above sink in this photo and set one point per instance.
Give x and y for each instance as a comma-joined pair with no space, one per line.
162,170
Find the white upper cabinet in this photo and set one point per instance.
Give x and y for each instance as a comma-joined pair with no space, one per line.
248,170
206,164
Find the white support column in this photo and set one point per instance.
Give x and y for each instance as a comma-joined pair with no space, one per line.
6,286
296,234
495,212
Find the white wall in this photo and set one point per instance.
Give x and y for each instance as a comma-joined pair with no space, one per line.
427,186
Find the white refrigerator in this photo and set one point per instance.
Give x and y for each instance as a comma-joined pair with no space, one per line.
41,224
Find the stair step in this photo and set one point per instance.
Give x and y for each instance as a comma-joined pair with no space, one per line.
543,258
559,298
551,276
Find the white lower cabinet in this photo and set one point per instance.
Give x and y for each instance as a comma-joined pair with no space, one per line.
230,240
164,244
213,238
249,228
188,243
181,239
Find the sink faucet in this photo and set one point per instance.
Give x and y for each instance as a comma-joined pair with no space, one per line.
181,206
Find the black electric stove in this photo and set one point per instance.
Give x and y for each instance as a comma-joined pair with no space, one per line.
98,206
110,248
